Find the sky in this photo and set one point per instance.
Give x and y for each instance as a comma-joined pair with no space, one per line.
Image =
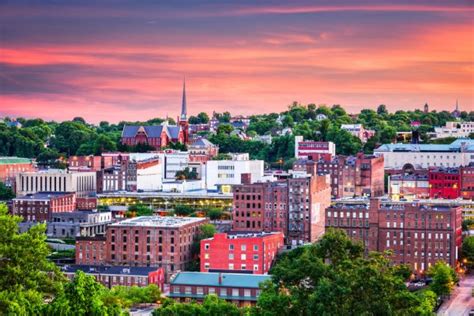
126,60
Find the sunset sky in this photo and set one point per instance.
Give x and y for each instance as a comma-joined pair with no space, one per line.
125,60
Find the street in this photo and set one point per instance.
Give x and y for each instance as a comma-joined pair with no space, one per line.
461,301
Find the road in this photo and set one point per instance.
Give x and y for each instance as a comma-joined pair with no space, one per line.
461,301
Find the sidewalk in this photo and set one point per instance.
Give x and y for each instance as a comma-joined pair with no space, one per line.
461,301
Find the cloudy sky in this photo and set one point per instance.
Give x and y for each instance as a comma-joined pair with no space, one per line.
125,60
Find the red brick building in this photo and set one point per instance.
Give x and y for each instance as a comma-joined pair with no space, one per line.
467,182
409,186
40,207
89,163
294,206
444,183
418,233
91,250
153,241
11,166
250,253
86,203
202,150
313,150
111,276
360,175
159,136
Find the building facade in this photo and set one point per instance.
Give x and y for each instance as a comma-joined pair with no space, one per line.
111,276
41,207
91,250
223,174
294,206
81,183
418,233
444,183
153,241
313,150
10,167
422,156
454,129
467,182
244,253
353,176
408,186
80,223
240,289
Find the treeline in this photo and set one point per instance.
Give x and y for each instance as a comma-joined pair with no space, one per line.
47,141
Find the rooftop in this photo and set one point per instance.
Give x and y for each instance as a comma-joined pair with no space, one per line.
42,195
13,160
122,270
461,144
212,279
158,221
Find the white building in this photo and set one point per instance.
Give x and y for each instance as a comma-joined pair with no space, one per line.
454,129
313,149
149,175
56,180
222,174
173,161
458,153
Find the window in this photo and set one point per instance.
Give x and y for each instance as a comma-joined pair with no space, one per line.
223,292
187,290
243,256
255,257
255,247
243,247
231,266
255,267
206,256
231,256
206,246
235,292
231,247
176,289
211,290
247,293
199,291
243,267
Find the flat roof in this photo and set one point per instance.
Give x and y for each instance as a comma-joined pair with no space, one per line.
158,221
462,143
188,194
42,195
13,160
212,279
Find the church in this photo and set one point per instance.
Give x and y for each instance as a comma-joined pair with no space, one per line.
159,136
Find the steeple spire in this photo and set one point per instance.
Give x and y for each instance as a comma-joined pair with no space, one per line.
184,110
457,105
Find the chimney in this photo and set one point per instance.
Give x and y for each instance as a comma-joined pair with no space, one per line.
220,278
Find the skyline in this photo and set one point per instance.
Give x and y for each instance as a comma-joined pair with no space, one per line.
119,61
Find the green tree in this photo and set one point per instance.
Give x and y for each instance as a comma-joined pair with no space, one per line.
212,305
186,174
183,210
467,251
444,278
6,193
139,210
27,278
382,110
205,231
225,129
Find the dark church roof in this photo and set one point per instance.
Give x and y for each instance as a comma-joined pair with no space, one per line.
151,131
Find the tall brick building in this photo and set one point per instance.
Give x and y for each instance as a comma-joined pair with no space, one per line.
249,253
467,182
418,233
153,241
294,206
360,175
